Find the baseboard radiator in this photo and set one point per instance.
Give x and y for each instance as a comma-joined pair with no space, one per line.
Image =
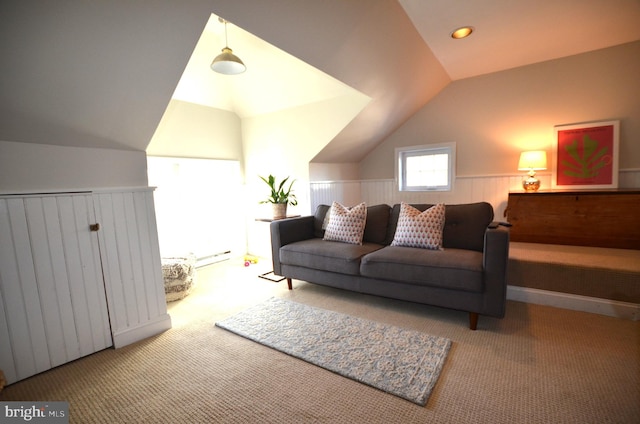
212,259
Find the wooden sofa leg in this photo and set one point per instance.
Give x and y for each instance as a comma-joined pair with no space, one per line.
289,283
473,320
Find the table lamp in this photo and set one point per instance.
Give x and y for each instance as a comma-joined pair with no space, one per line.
532,161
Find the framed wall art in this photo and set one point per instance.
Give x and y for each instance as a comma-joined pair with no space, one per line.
586,156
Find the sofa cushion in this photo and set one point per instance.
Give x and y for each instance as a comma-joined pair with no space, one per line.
319,221
419,229
458,269
464,226
375,230
346,224
325,255
377,221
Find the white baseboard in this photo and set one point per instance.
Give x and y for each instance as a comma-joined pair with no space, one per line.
612,308
142,331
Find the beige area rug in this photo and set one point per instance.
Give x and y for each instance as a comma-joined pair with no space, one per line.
537,365
401,362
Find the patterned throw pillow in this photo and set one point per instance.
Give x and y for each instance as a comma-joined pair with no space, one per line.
346,224
420,229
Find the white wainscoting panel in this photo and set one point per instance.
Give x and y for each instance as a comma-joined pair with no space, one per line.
67,291
493,189
629,178
131,264
52,301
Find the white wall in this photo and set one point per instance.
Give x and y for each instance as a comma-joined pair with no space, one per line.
39,167
283,143
196,131
334,171
492,118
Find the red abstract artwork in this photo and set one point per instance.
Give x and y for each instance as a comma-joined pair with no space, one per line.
586,156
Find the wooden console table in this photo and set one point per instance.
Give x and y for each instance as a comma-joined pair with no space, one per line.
600,218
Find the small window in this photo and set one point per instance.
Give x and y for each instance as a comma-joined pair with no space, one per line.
426,168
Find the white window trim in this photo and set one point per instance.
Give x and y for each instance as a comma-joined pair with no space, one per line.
402,152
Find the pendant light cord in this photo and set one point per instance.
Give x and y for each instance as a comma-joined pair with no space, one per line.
226,41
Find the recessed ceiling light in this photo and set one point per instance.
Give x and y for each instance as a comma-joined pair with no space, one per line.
462,32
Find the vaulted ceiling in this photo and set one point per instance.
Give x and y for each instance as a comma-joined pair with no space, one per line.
100,74
514,33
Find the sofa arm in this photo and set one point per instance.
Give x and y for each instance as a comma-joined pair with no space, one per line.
285,231
495,260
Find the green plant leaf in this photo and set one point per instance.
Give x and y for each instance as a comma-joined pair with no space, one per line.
278,193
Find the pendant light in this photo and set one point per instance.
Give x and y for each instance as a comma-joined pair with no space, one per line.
226,62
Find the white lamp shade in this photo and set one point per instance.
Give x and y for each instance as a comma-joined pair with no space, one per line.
228,63
533,160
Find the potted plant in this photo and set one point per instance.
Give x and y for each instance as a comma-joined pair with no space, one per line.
280,197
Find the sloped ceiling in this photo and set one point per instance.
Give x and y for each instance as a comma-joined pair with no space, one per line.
91,74
385,58
361,58
274,80
514,33
100,74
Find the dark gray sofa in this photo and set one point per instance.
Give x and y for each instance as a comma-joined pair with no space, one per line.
469,274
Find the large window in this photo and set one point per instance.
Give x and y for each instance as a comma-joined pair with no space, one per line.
188,212
426,168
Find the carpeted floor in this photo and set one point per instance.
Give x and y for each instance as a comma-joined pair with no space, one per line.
587,271
537,365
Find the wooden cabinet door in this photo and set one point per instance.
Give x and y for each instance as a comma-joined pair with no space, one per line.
53,307
131,264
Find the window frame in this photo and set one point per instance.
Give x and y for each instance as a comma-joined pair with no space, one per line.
401,154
